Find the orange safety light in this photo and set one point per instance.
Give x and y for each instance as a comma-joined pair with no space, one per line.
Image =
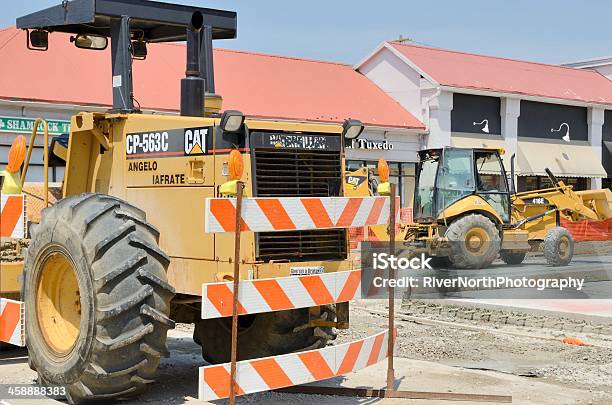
16,154
235,165
383,170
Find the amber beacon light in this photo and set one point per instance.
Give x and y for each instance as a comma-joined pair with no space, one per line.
384,188
235,165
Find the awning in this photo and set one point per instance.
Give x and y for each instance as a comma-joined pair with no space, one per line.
473,142
576,159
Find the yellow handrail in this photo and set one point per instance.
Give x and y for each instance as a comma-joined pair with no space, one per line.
46,157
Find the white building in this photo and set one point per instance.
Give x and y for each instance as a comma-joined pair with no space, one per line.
602,65
549,116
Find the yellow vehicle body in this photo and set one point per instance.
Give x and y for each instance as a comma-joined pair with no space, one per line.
573,206
172,190
10,273
432,233
358,184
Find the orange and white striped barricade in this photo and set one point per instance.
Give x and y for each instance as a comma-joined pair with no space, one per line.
12,216
277,294
12,327
270,373
285,293
267,214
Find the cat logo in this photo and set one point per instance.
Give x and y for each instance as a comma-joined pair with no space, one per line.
195,141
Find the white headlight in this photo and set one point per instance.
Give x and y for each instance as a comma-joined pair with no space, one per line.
231,121
352,129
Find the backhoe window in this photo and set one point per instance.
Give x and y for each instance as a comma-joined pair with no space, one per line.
490,176
491,182
423,203
456,178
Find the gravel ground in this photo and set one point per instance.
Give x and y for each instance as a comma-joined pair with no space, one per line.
522,351
467,356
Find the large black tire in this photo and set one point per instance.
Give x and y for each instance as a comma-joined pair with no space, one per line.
558,247
440,262
124,299
467,254
512,258
262,335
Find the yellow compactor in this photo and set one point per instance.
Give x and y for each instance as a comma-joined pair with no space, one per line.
122,255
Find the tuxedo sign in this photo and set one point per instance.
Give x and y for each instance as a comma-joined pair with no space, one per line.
367,144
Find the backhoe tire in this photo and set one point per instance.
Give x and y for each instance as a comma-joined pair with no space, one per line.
262,335
558,247
474,242
512,258
440,262
97,298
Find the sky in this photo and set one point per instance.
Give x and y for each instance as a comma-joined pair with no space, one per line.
549,31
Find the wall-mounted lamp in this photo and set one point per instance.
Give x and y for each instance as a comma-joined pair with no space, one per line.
566,137
486,125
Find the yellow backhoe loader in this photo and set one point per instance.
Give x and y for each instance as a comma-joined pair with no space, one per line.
466,211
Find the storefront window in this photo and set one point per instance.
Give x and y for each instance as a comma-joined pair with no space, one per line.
530,183
400,174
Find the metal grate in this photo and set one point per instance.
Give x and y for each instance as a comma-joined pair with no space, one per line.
324,244
299,173
295,172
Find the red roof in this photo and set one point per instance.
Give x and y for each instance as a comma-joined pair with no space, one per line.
259,85
466,70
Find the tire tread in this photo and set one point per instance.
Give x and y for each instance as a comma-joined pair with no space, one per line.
130,333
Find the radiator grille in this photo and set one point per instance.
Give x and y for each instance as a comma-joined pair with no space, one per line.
294,173
299,173
322,244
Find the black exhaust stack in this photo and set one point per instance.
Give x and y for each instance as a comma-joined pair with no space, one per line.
193,86
206,60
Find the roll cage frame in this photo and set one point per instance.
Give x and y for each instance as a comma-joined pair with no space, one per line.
440,153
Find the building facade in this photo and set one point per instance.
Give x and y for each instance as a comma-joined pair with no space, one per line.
604,67
400,152
546,116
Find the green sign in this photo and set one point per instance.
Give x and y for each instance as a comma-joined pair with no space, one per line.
26,125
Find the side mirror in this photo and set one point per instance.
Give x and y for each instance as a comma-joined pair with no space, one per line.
139,50
89,41
38,40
